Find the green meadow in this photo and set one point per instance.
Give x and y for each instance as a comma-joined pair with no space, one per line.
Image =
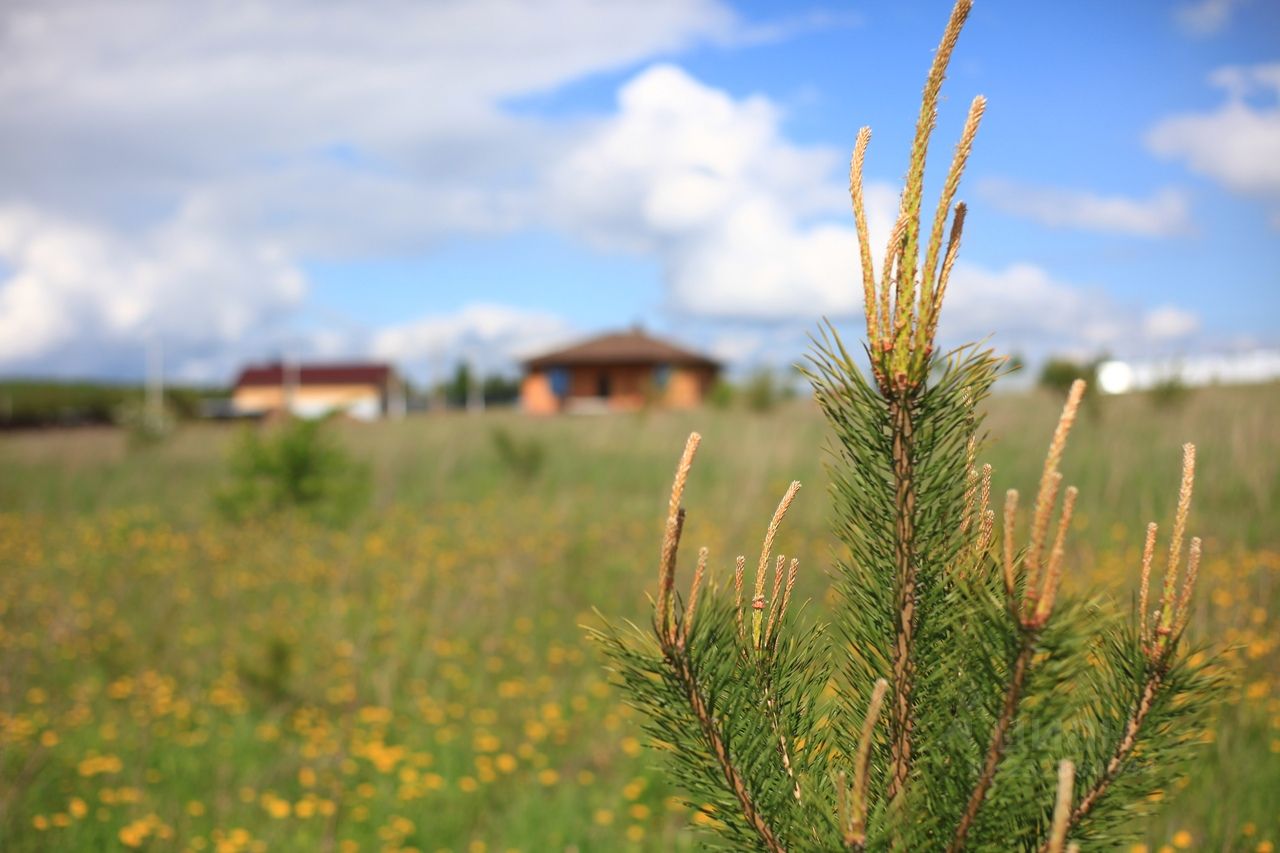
420,678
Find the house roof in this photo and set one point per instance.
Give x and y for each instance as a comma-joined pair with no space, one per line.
630,347
315,374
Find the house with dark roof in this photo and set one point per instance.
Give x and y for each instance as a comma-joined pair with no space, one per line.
622,371
364,391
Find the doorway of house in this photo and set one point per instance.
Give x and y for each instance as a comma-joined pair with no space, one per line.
602,385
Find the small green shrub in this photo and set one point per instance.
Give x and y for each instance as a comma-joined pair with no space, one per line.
761,391
1171,393
522,458
143,427
721,395
295,467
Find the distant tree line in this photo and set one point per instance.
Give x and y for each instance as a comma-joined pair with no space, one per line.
1057,373
37,403
457,391
758,391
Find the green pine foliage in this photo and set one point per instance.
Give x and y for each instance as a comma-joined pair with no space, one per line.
952,700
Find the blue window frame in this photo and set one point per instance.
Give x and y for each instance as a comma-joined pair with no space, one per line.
661,376
559,377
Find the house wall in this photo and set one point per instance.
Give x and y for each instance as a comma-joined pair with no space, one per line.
628,384
364,401
536,396
688,386
631,387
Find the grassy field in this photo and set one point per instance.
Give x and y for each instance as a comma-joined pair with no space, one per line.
420,678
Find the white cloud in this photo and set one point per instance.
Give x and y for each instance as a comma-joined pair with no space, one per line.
1036,313
1026,305
488,336
757,264
1205,17
198,91
1169,323
80,297
736,348
1237,144
1166,213
169,166
736,213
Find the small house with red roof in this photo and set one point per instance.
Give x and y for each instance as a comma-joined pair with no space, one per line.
364,391
622,371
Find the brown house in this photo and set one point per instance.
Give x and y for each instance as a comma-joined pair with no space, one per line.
616,372
362,391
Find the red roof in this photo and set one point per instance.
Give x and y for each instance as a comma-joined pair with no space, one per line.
632,347
315,374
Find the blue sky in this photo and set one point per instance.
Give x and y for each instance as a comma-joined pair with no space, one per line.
481,179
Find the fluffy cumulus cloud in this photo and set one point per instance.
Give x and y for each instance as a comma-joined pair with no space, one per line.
1164,214
1238,143
743,221
81,298
749,226
178,93
1037,314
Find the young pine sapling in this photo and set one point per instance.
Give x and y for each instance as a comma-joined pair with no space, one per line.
954,699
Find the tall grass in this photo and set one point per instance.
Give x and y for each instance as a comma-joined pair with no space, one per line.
418,678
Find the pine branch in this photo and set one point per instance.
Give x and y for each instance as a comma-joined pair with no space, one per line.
1124,748
1158,642
1032,617
903,665
912,194
1062,805
995,752
672,641
855,835
864,241
775,724
679,664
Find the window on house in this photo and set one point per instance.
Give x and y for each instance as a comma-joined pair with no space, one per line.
559,378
